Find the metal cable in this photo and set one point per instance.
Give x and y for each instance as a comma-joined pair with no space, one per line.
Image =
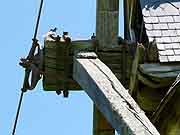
38,19
36,28
18,111
165,99
24,89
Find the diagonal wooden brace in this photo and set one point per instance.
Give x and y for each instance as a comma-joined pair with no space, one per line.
111,98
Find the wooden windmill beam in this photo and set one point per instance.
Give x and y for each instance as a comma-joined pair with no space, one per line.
107,18
111,98
100,125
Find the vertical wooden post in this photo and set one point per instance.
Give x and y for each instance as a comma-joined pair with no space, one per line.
100,124
107,23
124,65
130,7
107,18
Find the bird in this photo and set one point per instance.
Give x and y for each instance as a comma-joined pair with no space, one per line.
51,35
93,36
53,30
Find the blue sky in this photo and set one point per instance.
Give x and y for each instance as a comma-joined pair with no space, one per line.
42,113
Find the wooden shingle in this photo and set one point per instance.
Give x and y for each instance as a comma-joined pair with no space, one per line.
162,23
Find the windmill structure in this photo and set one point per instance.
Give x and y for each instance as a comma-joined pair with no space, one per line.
133,82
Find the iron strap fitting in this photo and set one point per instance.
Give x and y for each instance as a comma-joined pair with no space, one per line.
32,64
66,40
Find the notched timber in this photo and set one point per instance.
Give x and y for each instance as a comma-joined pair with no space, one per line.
111,98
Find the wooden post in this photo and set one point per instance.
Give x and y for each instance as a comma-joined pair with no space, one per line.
130,7
107,18
124,64
139,59
100,125
109,95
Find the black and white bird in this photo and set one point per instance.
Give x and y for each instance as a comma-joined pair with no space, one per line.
51,35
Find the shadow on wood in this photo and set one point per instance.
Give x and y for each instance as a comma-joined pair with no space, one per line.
111,98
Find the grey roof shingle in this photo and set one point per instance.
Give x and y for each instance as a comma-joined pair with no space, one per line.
162,23
169,33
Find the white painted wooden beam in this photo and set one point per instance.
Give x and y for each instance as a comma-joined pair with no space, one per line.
111,98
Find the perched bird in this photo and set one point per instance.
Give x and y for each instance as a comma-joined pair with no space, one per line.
54,30
93,36
66,37
51,35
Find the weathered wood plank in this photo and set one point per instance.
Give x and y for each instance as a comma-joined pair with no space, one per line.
154,82
107,17
54,58
124,64
53,85
76,44
156,75
100,124
139,58
160,71
114,58
111,98
58,62
120,66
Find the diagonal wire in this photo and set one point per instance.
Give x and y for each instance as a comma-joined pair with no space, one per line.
27,72
18,111
166,98
38,19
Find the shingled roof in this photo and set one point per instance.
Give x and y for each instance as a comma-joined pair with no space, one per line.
162,23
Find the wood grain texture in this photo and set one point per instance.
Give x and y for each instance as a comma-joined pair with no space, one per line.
100,125
139,58
113,58
107,18
54,65
111,98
